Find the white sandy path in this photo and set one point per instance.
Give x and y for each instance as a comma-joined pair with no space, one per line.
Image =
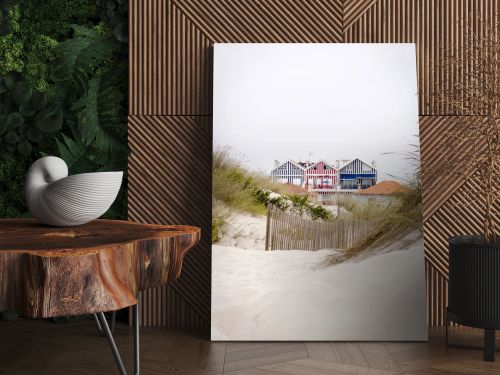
284,295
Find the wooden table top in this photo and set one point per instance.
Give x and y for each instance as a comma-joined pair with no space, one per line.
29,236
99,266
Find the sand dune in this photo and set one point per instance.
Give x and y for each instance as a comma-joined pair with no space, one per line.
285,295
244,231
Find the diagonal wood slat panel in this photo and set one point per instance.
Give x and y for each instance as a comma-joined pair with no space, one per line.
353,9
264,21
193,25
437,189
461,214
170,163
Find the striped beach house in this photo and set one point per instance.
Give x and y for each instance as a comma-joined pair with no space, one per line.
289,172
357,174
321,175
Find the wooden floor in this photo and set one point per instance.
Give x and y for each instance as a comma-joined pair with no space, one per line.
42,347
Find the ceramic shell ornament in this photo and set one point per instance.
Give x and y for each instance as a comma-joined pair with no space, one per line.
56,199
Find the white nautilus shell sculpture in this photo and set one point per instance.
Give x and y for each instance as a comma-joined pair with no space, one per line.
56,199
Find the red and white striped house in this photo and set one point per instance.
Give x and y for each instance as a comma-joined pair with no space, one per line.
321,175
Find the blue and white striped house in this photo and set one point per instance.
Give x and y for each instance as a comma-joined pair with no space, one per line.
289,172
356,174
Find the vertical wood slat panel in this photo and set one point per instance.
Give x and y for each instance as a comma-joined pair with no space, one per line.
171,74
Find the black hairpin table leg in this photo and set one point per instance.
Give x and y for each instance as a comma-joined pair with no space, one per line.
113,324
103,325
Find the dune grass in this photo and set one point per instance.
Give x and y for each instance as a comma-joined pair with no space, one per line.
235,188
217,228
391,222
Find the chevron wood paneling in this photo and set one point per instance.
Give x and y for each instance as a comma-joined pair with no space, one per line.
353,9
171,104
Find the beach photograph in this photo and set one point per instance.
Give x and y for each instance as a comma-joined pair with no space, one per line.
316,195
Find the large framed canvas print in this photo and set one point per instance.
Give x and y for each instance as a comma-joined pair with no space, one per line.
316,226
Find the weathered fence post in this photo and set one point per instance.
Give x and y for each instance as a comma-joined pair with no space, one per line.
268,225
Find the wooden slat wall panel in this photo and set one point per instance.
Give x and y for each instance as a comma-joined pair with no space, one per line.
437,295
174,38
459,214
171,105
353,10
172,184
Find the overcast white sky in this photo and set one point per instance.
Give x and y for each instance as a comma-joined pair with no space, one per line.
337,101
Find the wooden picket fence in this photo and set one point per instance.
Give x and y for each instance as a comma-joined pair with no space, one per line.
288,231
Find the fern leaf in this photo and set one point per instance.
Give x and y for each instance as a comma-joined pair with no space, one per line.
98,114
71,151
80,56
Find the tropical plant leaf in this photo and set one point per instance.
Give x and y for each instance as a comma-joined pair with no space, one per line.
21,92
14,120
98,114
4,124
33,134
38,100
49,119
11,137
80,56
11,78
72,151
24,148
27,109
3,88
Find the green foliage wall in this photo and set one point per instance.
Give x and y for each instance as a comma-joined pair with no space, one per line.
63,91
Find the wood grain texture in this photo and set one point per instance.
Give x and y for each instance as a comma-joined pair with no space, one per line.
99,266
40,347
171,78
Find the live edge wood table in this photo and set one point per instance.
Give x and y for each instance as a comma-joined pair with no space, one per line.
89,269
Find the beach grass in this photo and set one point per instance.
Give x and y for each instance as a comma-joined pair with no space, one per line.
235,186
391,222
